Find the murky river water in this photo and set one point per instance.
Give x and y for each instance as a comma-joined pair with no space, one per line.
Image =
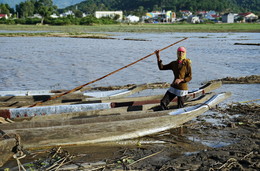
33,63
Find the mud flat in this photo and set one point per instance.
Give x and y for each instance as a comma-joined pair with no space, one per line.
149,86
51,34
224,139
253,79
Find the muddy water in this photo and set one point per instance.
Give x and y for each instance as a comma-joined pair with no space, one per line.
33,63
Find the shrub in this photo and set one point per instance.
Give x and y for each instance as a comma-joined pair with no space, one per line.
6,21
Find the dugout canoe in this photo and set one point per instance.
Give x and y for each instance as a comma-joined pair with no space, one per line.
112,111
111,128
7,145
100,104
12,99
15,100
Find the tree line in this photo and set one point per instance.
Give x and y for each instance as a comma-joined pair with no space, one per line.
45,8
140,7
134,7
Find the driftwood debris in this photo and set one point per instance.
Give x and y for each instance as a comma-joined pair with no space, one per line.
252,44
149,86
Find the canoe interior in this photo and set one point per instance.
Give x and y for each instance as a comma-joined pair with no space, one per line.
7,145
96,129
7,102
94,105
12,100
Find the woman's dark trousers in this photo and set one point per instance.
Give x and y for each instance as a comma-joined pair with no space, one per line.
168,97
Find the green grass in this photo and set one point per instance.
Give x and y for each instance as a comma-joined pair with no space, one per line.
210,28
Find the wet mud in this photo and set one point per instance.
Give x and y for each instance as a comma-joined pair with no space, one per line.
128,86
253,79
223,139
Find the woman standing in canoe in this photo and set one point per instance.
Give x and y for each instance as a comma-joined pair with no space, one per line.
182,75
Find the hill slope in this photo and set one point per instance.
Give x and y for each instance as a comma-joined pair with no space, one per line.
89,6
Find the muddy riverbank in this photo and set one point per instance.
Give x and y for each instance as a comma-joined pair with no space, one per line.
231,144
222,139
252,79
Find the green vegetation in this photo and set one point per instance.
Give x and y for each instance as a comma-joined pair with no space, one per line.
175,5
89,20
140,7
45,8
235,27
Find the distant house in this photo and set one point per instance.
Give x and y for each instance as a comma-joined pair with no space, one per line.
228,18
249,16
71,13
132,18
202,13
157,16
193,19
4,16
153,16
36,16
185,13
170,16
111,14
211,15
54,16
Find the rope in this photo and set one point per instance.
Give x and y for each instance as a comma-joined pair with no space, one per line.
80,87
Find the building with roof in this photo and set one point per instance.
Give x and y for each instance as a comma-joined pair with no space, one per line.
157,16
67,13
4,16
185,13
111,14
248,17
193,19
132,19
228,18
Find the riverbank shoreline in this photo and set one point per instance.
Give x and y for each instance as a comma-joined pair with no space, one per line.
231,142
138,28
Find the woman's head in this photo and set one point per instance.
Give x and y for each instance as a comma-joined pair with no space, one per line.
181,53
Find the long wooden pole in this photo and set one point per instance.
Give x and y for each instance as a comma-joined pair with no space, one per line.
80,87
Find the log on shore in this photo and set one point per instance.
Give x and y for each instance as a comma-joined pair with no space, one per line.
252,44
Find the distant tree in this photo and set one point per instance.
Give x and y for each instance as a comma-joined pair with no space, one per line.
78,14
4,9
140,11
116,17
45,8
157,8
25,9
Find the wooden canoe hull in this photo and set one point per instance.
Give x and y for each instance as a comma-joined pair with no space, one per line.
12,99
6,147
107,128
58,109
113,111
